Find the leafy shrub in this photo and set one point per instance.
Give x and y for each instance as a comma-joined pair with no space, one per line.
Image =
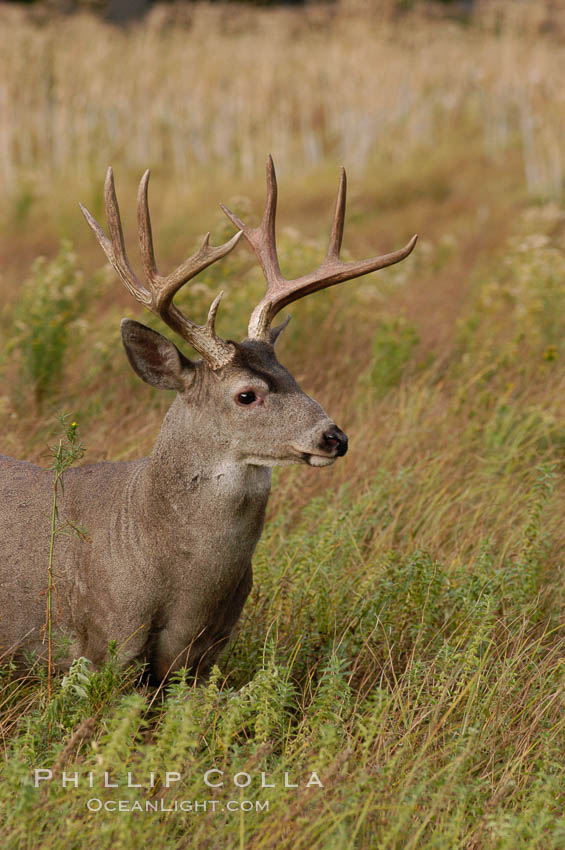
47,317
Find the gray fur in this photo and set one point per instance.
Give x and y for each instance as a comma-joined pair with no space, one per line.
167,567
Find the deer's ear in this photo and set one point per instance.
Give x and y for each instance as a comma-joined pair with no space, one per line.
154,358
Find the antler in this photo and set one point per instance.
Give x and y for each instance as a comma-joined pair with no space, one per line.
161,290
280,291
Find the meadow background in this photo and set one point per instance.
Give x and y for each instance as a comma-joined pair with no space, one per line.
404,637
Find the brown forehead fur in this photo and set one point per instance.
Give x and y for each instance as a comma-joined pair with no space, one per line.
260,358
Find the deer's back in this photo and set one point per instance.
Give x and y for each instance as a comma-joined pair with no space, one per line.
88,505
25,496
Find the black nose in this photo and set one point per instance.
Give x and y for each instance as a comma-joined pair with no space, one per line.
335,439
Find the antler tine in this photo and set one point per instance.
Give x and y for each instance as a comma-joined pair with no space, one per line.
336,236
114,247
280,291
165,288
266,232
262,239
158,297
144,233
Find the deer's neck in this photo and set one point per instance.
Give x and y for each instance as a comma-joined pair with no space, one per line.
191,467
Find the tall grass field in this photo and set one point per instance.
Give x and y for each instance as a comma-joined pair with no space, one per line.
396,680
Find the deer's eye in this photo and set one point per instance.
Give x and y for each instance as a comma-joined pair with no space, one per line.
247,397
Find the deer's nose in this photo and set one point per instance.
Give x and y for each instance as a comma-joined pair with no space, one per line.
335,439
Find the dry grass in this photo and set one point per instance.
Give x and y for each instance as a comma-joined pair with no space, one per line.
202,103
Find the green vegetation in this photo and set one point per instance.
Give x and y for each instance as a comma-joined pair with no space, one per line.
47,318
66,452
403,644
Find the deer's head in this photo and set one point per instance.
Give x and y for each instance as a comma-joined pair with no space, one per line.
254,407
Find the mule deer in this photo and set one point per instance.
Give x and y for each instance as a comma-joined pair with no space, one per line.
168,566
